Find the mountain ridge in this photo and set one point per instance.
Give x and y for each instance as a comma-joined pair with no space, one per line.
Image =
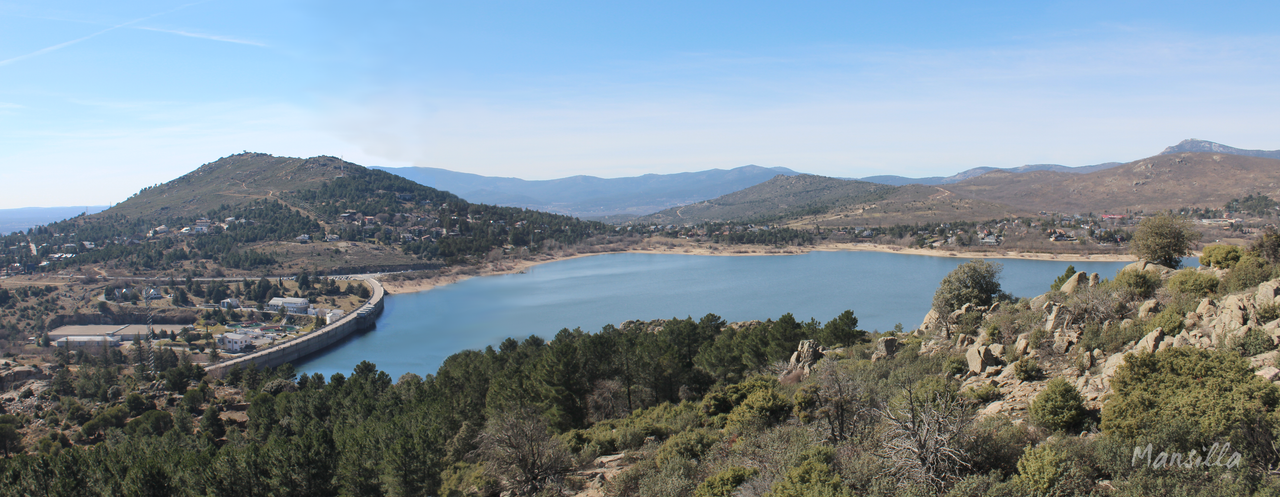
590,196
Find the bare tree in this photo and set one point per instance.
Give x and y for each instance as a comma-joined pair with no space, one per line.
924,439
837,400
521,452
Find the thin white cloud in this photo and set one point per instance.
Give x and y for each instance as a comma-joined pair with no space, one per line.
204,36
65,44
7,105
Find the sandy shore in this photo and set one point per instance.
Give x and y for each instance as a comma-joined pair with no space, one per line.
455,275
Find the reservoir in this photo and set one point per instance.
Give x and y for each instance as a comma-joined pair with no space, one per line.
417,331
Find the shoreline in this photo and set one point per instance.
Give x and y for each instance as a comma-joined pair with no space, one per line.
684,247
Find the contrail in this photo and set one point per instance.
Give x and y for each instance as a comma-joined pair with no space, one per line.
78,40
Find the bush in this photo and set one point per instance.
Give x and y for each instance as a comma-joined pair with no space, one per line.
1169,320
1268,313
1193,283
975,282
1027,369
1194,396
813,477
984,394
763,408
1247,273
723,484
1040,468
1139,284
150,423
1059,407
1254,342
686,445
1221,256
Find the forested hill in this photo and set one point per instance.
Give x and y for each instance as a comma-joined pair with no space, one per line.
256,211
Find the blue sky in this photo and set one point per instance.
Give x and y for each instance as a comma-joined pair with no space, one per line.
100,99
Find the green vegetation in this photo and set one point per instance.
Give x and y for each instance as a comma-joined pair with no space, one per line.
1193,283
1163,239
1221,256
1139,284
1061,280
1059,407
975,282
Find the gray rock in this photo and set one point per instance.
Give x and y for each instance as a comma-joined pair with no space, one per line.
1054,320
1094,279
1149,343
1020,346
1267,293
997,349
979,358
886,347
1073,283
1148,308
1269,372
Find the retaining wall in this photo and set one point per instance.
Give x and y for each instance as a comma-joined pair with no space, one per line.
300,347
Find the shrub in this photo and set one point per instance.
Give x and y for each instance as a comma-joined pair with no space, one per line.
1169,320
975,282
723,484
985,393
813,477
1139,284
1268,313
1254,342
1193,283
1194,395
996,444
1221,256
686,445
1247,273
1059,407
762,408
150,423
1040,468
1027,369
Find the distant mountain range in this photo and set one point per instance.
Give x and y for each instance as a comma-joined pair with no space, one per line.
590,197
979,171
27,217
1165,181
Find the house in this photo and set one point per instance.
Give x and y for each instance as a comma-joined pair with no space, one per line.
303,238
160,230
332,238
333,316
229,304
88,245
233,342
291,305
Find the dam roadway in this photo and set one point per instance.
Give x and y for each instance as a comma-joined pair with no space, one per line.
293,350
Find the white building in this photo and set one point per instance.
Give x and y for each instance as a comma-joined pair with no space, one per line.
291,305
229,304
87,342
233,342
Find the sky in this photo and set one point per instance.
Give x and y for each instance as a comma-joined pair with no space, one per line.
101,99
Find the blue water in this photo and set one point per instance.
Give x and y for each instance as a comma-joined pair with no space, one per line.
418,331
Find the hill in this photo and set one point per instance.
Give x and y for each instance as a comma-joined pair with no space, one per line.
779,198
234,180
260,213
590,196
1169,181
1194,145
